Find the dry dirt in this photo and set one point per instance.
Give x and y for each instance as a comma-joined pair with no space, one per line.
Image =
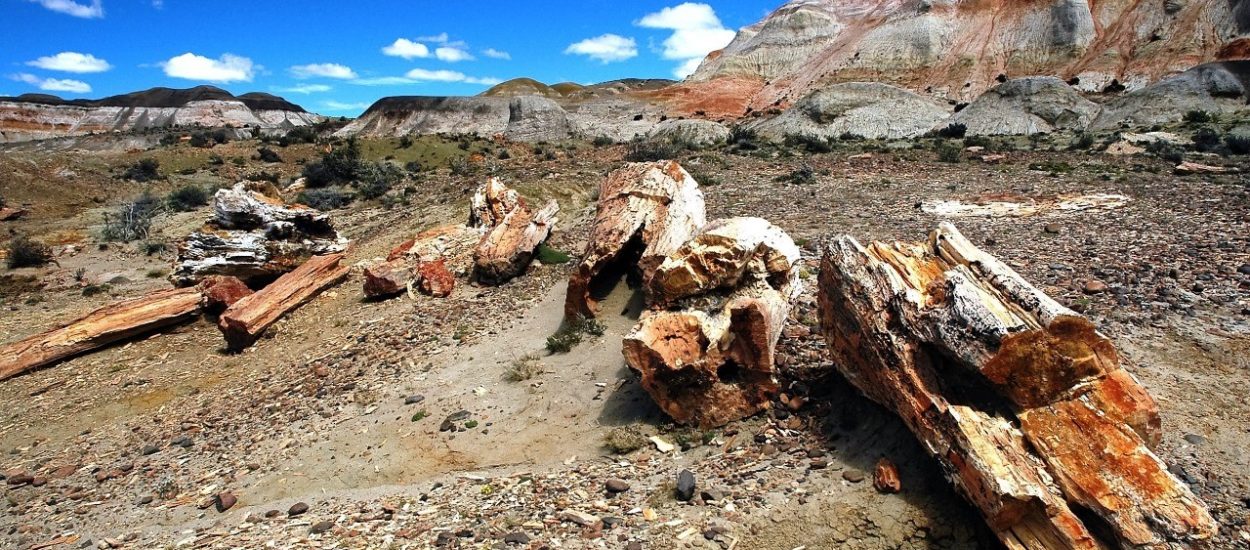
134,441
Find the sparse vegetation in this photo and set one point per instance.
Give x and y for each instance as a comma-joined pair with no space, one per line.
603,141
462,166
624,440
810,143
1166,151
742,138
954,130
131,221
265,154
26,252
1083,141
325,199
524,368
1206,140
571,334
948,152
1237,145
803,175
1198,117
374,179
550,256
95,290
145,170
652,150
187,198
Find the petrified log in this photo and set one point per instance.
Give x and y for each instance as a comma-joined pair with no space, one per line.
247,319
1020,399
708,360
109,324
434,279
505,251
492,203
243,208
387,278
221,292
646,211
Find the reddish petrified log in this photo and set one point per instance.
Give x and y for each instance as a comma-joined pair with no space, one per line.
434,279
247,319
387,278
109,324
707,358
1044,414
647,211
221,292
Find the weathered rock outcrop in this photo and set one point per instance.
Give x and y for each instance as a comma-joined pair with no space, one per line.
253,237
38,116
646,212
1218,88
532,119
1026,106
864,109
700,133
1023,403
705,350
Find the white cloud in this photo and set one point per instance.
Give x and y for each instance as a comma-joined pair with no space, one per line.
384,81
452,54
305,89
227,68
71,62
424,75
323,70
606,48
697,31
69,7
339,106
407,49
440,38
496,54
54,84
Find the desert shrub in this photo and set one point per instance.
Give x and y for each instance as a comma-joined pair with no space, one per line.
220,137
266,154
152,248
316,175
551,256
201,139
91,290
302,134
503,154
131,221
954,130
145,170
743,138
809,143
26,252
979,141
187,198
462,166
571,334
169,139
1237,145
948,152
1206,140
1166,151
1051,167
524,368
374,179
325,199
851,136
603,141
1081,142
412,167
650,151
1198,117
624,440
343,162
216,160
803,175
405,142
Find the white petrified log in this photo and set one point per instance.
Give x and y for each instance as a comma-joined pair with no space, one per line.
1042,414
646,211
513,231
708,358
491,203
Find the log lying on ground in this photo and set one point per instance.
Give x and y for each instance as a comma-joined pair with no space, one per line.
425,262
1021,400
492,203
254,237
646,211
248,318
109,324
708,358
507,249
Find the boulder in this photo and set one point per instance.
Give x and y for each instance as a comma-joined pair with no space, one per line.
222,291
434,279
387,278
535,118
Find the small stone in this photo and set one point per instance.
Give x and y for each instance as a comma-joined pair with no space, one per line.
885,477
445,538
1053,228
685,486
321,527
819,464
579,517
612,521
273,514
144,500
1095,287
414,399
712,495
1195,439
633,545
150,450
853,476
225,501
182,441
816,453
516,537
297,509
616,485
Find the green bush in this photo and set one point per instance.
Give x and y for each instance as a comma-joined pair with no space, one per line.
405,142
147,169
324,199
1083,141
1237,145
1198,117
266,154
571,333
955,130
131,221
948,152
809,143
1166,151
462,166
302,134
603,141
26,252
803,175
1206,140
651,151
187,198
374,179
742,138
201,139
551,256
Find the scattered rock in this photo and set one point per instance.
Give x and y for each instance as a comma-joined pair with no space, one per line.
616,486
580,518
225,501
321,527
685,486
1095,287
853,476
297,509
885,477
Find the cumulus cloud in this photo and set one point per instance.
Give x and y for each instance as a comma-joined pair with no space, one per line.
340,106
94,10
323,70
71,62
305,89
697,31
407,49
54,84
227,68
606,48
425,75
496,54
452,54
440,38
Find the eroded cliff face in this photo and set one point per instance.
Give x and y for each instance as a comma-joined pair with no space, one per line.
34,117
958,49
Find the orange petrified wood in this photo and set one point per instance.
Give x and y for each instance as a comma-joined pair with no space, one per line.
248,318
1022,401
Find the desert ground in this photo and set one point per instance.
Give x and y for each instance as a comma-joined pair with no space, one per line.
404,423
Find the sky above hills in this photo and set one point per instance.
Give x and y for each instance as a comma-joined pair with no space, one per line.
336,58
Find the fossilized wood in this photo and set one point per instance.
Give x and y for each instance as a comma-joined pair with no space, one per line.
221,292
387,278
242,208
709,358
10,214
977,361
645,209
492,202
247,319
109,324
434,279
507,249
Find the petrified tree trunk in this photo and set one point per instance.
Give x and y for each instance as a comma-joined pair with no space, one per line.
507,249
221,292
387,278
109,324
248,318
708,359
978,362
492,203
645,209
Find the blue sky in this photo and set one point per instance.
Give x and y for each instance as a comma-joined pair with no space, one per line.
338,57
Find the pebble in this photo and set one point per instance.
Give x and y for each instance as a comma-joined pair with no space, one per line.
685,486
297,509
1095,287
1053,228
321,527
712,495
414,399
579,517
1195,439
853,476
819,464
150,450
225,501
616,486
516,537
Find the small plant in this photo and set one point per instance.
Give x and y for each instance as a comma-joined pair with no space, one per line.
470,424
803,175
1166,151
525,368
743,138
131,221
603,141
405,142
419,416
156,273
266,154
551,256
95,290
462,166
809,143
187,198
153,248
571,333
651,151
26,252
948,152
1198,117
325,199
955,130
145,170
1206,140
624,440
375,179
1237,145
1082,142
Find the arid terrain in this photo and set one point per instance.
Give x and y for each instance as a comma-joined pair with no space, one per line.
416,421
